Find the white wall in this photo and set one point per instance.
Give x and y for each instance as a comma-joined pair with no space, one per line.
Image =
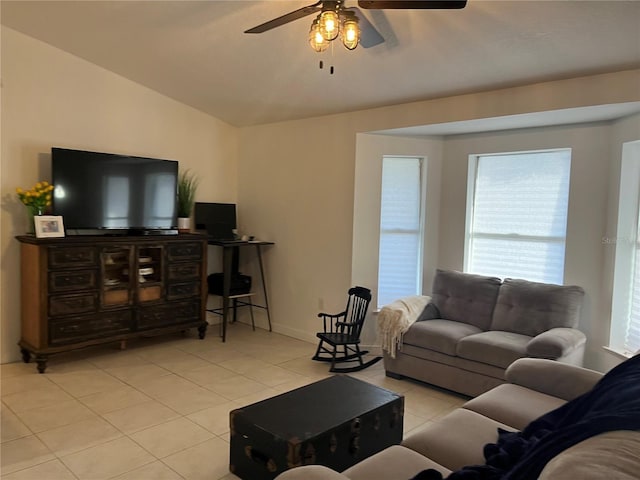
51,98
296,184
297,190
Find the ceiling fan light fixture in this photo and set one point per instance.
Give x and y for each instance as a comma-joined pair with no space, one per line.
316,40
350,31
329,24
335,20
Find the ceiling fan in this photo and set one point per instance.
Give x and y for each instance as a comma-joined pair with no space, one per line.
335,19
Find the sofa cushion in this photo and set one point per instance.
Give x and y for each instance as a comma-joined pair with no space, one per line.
495,348
614,455
513,405
393,462
465,297
455,440
530,308
439,335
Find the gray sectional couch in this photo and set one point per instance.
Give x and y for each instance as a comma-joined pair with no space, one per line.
476,326
535,387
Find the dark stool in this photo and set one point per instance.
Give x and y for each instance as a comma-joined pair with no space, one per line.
240,288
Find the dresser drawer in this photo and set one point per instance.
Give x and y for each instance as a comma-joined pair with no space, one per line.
169,314
65,281
88,327
65,257
184,271
72,304
182,290
185,251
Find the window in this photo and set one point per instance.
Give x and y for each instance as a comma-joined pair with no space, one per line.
625,314
401,227
517,215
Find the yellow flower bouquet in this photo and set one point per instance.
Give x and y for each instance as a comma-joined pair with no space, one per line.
37,197
36,200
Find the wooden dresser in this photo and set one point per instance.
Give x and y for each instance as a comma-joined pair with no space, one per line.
80,291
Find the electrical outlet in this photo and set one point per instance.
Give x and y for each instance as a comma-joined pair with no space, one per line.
320,303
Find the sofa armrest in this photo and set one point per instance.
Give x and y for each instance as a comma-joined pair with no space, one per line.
311,472
396,318
555,343
558,379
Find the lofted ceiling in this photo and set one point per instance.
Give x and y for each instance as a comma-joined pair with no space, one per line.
196,51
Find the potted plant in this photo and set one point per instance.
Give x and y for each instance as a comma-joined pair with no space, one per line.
187,186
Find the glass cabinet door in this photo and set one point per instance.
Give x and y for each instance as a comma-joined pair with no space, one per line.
115,263
150,266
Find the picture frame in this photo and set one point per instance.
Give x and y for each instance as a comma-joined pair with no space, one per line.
48,226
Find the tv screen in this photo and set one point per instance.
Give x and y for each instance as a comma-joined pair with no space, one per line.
106,193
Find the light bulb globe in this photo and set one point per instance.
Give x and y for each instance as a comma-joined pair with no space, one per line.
329,25
316,40
350,32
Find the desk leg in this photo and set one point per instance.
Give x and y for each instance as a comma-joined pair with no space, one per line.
227,255
264,285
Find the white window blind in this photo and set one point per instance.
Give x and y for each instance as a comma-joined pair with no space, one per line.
400,255
625,314
517,220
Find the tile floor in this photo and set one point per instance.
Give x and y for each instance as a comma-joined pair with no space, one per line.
159,410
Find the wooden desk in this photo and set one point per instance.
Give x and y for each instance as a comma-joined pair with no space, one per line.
229,249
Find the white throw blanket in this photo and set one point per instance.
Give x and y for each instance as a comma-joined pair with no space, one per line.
396,318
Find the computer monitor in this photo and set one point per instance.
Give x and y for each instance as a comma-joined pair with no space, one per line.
217,219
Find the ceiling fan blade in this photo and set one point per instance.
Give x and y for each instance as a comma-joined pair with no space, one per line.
369,36
284,19
411,4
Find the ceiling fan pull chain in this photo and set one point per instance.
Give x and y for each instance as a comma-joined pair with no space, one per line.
321,66
332,56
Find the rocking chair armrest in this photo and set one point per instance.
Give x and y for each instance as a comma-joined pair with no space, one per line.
343,324
332,315
328,319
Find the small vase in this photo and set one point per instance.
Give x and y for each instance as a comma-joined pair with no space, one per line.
32,211
184,224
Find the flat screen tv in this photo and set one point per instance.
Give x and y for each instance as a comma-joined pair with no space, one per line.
110,194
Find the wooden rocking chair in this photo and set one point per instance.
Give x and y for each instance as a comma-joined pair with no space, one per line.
343,330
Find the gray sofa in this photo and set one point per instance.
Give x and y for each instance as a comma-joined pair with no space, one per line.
476,326
536,387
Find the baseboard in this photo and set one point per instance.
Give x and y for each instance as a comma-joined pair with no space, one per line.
295,333
373,349
212,319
